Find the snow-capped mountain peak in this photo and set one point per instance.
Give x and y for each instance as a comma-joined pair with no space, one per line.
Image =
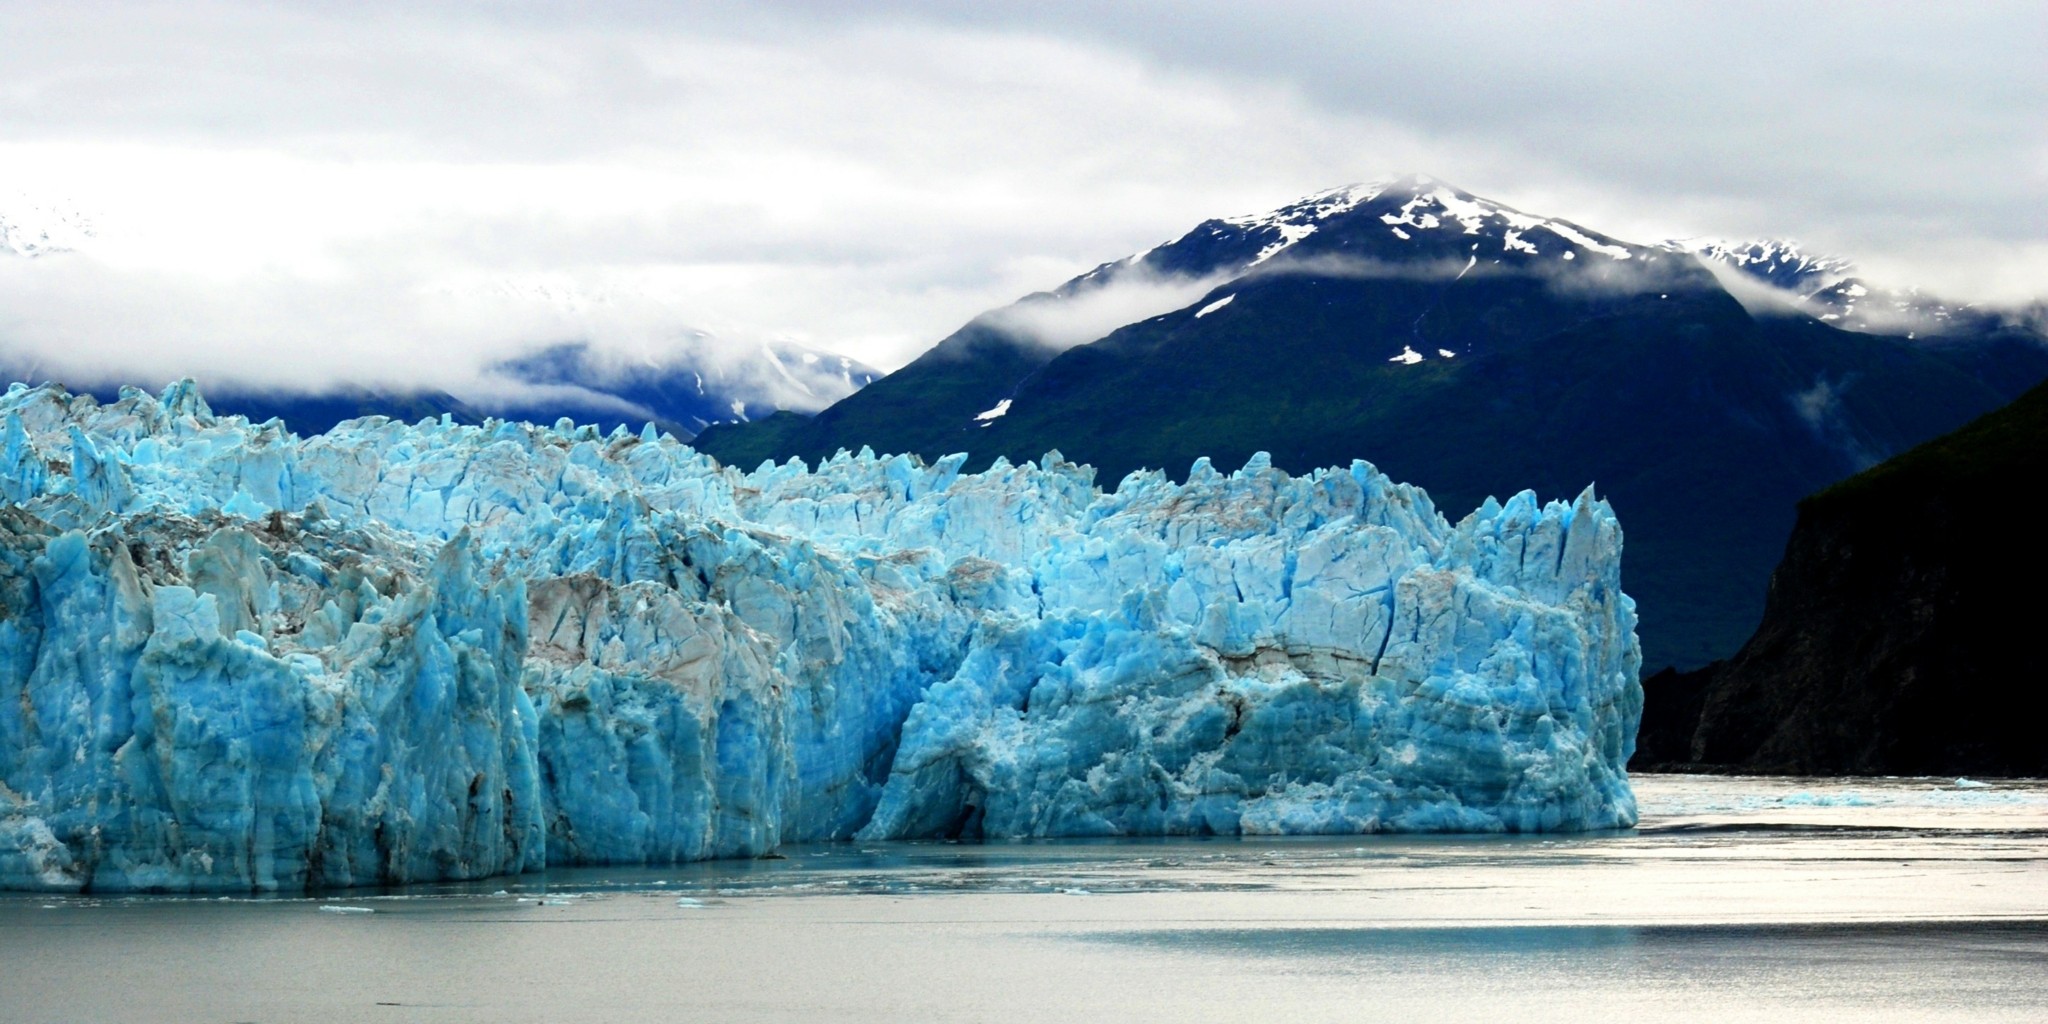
1414,225
1298,220
1415,215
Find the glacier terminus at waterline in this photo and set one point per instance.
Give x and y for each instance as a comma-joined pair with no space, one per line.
233,659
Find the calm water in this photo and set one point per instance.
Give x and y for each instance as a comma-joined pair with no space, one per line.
1737,899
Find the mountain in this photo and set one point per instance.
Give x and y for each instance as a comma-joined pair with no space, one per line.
2002,347
1463,345
1896,639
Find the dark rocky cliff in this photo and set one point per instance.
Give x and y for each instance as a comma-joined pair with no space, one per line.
1904,629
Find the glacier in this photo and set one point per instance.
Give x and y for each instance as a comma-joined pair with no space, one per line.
233,659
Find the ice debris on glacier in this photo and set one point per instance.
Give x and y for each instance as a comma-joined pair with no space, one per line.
235,659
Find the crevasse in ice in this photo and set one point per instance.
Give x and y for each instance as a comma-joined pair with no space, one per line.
233,659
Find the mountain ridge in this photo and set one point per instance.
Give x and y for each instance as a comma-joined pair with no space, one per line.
1464,345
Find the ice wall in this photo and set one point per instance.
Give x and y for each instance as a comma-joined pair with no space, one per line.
233,659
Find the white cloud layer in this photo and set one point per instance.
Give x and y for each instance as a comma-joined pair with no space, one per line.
372,192
1131,294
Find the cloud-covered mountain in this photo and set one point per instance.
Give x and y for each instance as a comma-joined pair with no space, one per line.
1463,345
1829,289
680,392
680,380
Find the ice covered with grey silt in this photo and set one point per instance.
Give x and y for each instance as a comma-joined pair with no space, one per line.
234,659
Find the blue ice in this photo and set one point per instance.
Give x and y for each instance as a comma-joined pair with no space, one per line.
233,659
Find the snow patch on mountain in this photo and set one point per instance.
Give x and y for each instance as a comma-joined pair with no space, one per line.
1585,241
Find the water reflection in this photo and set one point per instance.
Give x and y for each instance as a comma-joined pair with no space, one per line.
1762,900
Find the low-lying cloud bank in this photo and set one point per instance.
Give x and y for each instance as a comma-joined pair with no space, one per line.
1131,293
75,318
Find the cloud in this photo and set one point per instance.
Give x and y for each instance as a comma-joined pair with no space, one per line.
1593,276
1756,295
1649,271
1359,268
1131,293
863,191
335,182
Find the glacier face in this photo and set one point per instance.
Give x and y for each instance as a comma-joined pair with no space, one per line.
232,659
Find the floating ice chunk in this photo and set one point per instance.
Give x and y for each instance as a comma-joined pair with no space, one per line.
1408,356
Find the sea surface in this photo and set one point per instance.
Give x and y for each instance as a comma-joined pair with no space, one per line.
1738,899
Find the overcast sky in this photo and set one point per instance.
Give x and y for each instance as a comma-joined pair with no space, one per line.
400,191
